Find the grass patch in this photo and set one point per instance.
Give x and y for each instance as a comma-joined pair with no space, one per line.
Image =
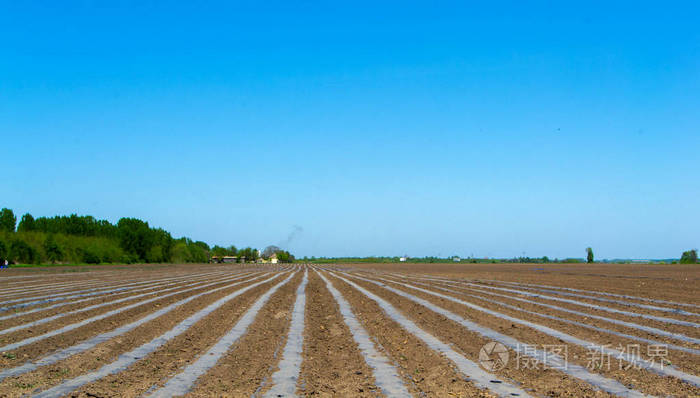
25,385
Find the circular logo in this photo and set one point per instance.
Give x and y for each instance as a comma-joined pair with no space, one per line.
493,356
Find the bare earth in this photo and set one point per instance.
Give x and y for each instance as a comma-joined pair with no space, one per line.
224,330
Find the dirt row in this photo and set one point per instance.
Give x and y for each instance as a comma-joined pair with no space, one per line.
36,275
97,326
247,363
117,284
541,381
686,361
26,315
80,287
120,344
498,295
669,282
428,372
60,278
493,287
332,363
560,290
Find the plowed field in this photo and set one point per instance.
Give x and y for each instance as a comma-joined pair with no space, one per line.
351,331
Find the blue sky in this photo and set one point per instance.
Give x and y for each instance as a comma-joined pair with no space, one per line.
402,128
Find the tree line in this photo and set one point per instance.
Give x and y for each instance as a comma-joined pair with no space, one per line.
249,253
688,257
83,239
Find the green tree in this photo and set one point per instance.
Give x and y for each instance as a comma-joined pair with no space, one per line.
156,254
89,255
249,253
21,252
203,245
197,253
3,253
589,255
27,224
53,251
163,242
689,257
219,251
284,257
7,220
181,253
135,237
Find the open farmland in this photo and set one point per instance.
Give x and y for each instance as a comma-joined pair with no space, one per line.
418,330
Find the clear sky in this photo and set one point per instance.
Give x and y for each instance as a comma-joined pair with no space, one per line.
505,129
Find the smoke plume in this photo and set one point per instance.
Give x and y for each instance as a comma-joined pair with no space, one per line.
294,234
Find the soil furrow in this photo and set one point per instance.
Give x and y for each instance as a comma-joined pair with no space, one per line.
678,320
183,382
182,339
639,379
624,303
541,357
92,353
445,367
45,299
284,380
682,333
242,370
384,372
34,318
32,347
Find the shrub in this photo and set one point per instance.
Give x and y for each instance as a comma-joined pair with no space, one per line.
3,252
21,252
128,259
89,256
53,251
689,257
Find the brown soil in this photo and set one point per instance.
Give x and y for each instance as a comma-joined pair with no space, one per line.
685,361
333,365
22,319
107,352
72,337
174,355
468,343
538,381
251,360
669,282
424,371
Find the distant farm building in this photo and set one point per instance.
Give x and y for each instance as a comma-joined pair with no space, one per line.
226,259
456,259
272,260
403,259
